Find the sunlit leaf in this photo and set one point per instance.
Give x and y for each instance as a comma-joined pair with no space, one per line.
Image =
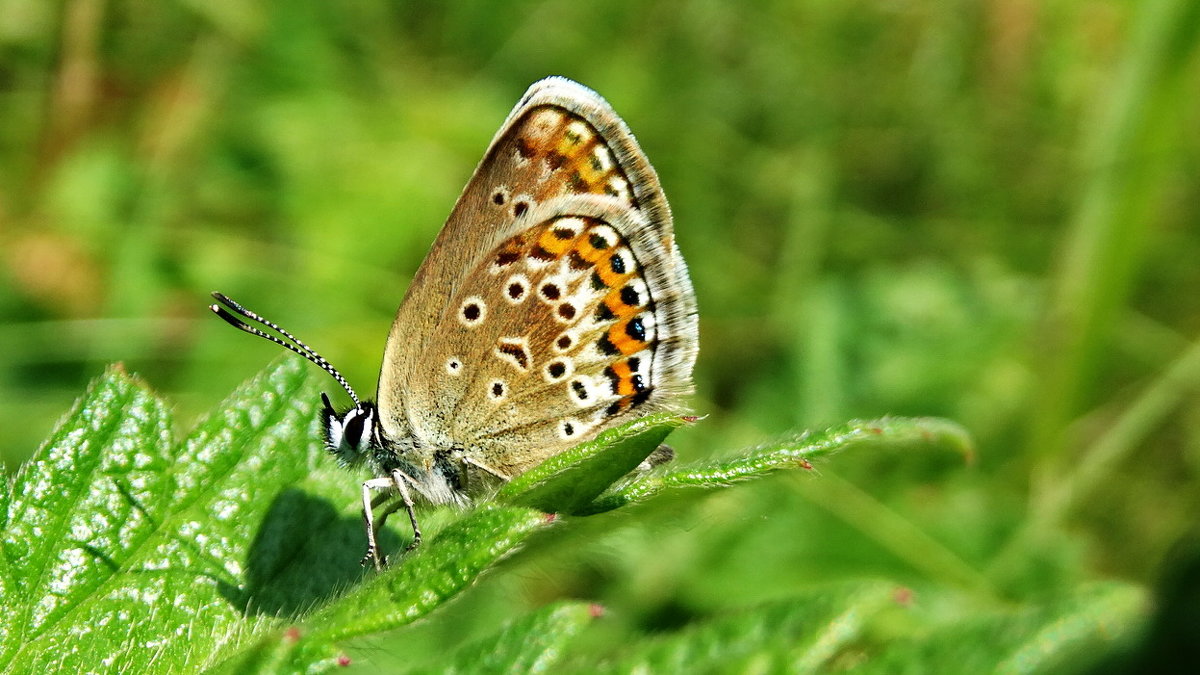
570,480
792,453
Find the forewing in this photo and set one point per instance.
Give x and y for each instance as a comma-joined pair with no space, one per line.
559,252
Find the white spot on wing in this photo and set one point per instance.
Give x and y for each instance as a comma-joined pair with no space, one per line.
606,233
604,158
543,123
574,225
472,312
650,324
577,133
619,188
639,287
516,289
626,261
570,428
582,391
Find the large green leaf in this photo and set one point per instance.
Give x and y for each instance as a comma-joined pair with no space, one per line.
85,510
791,452
568,481
438,571
126,550
235,550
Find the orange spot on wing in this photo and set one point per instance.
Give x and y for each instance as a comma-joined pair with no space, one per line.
555,245
624,379
588,252
618,307
591,173
620,339
574,154
609,276
508,253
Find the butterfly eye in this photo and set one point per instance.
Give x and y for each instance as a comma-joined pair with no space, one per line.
356,428
352,429
351,436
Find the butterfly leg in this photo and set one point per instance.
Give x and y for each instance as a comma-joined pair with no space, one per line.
373,526
381,499
393,505
401,482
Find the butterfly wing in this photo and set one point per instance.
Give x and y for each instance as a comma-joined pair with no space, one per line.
553,304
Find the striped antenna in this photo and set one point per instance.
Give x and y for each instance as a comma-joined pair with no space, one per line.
294,345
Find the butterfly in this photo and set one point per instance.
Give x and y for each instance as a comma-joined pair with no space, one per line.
553,305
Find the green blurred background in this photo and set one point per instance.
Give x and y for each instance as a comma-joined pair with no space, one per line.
980,210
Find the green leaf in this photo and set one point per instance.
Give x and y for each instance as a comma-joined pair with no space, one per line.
125,549
81,513
791,453
436,572
568,481
877,627
531,644
433,574
236,550
1065,635
799,635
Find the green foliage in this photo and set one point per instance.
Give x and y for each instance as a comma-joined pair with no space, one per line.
126,547
91,503
876,627
568,482
790,453
233,551
528,645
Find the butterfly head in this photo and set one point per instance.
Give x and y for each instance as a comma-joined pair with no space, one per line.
350,435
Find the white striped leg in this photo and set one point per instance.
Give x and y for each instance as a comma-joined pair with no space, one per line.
373,526
400,482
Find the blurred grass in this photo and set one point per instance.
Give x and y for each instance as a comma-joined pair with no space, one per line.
978,210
